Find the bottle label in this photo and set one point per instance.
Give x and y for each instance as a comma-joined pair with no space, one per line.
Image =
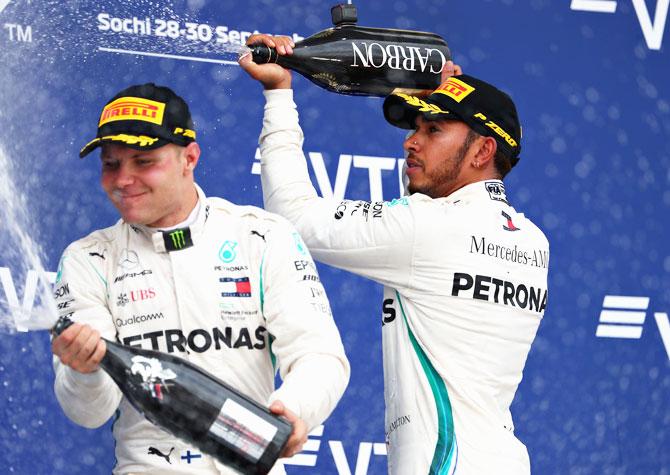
243,429
388,55
154,376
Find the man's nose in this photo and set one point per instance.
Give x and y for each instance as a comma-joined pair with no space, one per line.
411,144
124,176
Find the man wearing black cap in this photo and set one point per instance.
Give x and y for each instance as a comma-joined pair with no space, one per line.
202,278
465,274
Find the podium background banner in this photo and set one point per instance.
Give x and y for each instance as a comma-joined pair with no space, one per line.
591,82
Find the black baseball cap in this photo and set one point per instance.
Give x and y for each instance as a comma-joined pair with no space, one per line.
144,117
483,107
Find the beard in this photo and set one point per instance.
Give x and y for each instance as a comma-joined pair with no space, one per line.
442,177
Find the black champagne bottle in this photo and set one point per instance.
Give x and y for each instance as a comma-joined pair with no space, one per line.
195,406
351,59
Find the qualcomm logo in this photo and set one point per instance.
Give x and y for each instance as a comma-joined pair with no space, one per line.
307,458
623,317
652,30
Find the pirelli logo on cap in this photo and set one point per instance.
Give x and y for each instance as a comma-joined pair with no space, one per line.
133,108
456,89
497,129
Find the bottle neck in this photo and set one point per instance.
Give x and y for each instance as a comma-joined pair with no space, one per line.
263,54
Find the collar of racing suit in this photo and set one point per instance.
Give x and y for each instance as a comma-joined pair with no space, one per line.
187,232
487,189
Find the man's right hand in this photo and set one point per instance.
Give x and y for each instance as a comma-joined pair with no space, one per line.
80,347
272,76
450,69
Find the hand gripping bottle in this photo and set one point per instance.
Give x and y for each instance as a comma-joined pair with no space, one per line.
352,59
195,406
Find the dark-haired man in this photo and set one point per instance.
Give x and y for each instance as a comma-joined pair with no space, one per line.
465,274
229,288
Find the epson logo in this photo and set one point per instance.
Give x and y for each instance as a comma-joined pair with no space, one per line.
62,291
409,58
303,265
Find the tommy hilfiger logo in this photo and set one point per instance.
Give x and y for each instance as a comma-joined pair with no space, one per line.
235,286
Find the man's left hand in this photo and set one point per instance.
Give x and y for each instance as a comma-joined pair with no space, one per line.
298,436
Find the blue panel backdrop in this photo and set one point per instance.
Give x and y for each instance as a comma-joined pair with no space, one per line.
591,80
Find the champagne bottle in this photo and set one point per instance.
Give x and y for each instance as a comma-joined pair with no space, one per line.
195,406
351,59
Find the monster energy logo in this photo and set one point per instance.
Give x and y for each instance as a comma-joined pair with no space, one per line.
178,240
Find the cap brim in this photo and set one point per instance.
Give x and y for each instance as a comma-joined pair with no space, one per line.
401,110
138,142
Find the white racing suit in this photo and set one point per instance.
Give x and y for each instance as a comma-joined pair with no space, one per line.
241,296
465,288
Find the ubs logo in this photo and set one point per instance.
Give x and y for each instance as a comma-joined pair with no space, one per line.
142,294
135,296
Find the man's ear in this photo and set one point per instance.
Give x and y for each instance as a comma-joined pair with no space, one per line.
485,152
192,155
